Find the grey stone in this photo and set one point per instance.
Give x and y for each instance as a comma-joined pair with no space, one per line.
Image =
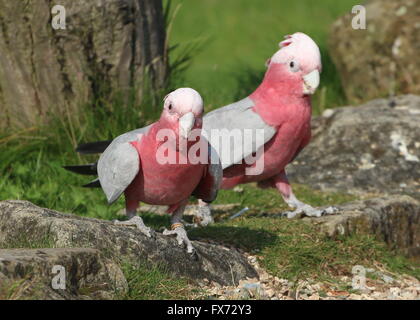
22,223
373,148
383,59
29,274
254,289
393,219
387,279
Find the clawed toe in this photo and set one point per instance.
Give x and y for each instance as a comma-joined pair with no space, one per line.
139,224
152,234
331,210
309,211
194,255
181,236
292,214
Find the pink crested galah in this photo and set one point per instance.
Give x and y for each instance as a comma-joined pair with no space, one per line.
133,164
281,109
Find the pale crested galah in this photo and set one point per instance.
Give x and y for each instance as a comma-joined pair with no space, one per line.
131,164
280,107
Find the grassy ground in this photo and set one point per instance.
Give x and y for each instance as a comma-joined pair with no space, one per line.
290,248
154,282
296,250
235,39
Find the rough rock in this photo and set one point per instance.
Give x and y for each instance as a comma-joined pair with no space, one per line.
383,59
393,219
28,273
372,148
108,47
23,224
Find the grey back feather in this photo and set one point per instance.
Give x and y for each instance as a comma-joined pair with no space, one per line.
230,142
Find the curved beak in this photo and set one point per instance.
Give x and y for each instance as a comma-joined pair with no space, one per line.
186,123
311,82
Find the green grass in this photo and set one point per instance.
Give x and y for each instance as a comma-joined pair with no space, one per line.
293,249
237,37
269,200
31,162
25,241
148,282
16,290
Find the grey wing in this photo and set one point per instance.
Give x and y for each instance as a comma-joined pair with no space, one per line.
129,136
209,185
99,147
236,131
117,167
215,171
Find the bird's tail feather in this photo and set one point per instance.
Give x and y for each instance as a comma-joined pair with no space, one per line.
93,147
91,168
93,184
86,169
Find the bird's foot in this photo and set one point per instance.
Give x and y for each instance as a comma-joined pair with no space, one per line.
178,230
138,222
203,216
309,211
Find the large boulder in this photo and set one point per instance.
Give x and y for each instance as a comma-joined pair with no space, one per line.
23,225
108,47
393,219
383,59
79,273
372,148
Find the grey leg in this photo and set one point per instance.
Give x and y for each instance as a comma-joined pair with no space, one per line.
177,229
282,184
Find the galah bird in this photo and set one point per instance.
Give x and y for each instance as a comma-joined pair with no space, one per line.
131,165
281,108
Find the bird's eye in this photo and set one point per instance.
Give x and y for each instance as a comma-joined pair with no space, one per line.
170,106
294,66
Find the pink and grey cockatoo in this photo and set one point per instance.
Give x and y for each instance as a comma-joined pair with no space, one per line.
131,165
280,107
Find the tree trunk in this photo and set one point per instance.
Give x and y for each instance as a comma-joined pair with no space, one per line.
107,47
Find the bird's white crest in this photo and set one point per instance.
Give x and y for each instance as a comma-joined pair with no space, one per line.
301,47
185,100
